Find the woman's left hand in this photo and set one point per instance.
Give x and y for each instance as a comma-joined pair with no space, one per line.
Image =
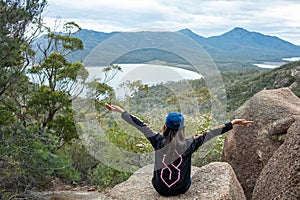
242,122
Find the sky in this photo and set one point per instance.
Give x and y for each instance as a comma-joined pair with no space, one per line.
207,18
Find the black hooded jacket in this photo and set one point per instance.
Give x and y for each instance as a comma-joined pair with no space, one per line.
173,178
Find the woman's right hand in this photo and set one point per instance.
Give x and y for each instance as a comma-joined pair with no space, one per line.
114,108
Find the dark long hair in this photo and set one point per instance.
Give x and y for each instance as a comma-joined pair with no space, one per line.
174,144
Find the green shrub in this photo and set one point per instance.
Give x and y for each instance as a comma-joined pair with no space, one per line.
212,152
104,176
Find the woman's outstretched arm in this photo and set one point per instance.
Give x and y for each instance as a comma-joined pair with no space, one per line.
132,120
208,134
218,130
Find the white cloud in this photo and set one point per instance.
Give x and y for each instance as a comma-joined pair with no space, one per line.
113,4
205,17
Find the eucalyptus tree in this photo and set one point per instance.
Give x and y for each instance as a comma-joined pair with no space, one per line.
19,25
57,82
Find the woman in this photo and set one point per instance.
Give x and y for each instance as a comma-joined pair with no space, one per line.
173,153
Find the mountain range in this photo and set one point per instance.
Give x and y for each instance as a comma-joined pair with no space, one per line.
237,48
240,44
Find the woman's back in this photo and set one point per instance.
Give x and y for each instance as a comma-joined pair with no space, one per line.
173,153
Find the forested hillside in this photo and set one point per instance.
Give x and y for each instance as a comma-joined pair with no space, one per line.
239,85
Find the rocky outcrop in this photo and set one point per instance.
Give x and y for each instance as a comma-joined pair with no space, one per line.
211,182
66,195
248,149
280,178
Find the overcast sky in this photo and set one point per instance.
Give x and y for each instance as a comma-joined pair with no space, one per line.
204,17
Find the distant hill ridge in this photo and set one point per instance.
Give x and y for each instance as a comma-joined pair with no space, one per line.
237,47
239,44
